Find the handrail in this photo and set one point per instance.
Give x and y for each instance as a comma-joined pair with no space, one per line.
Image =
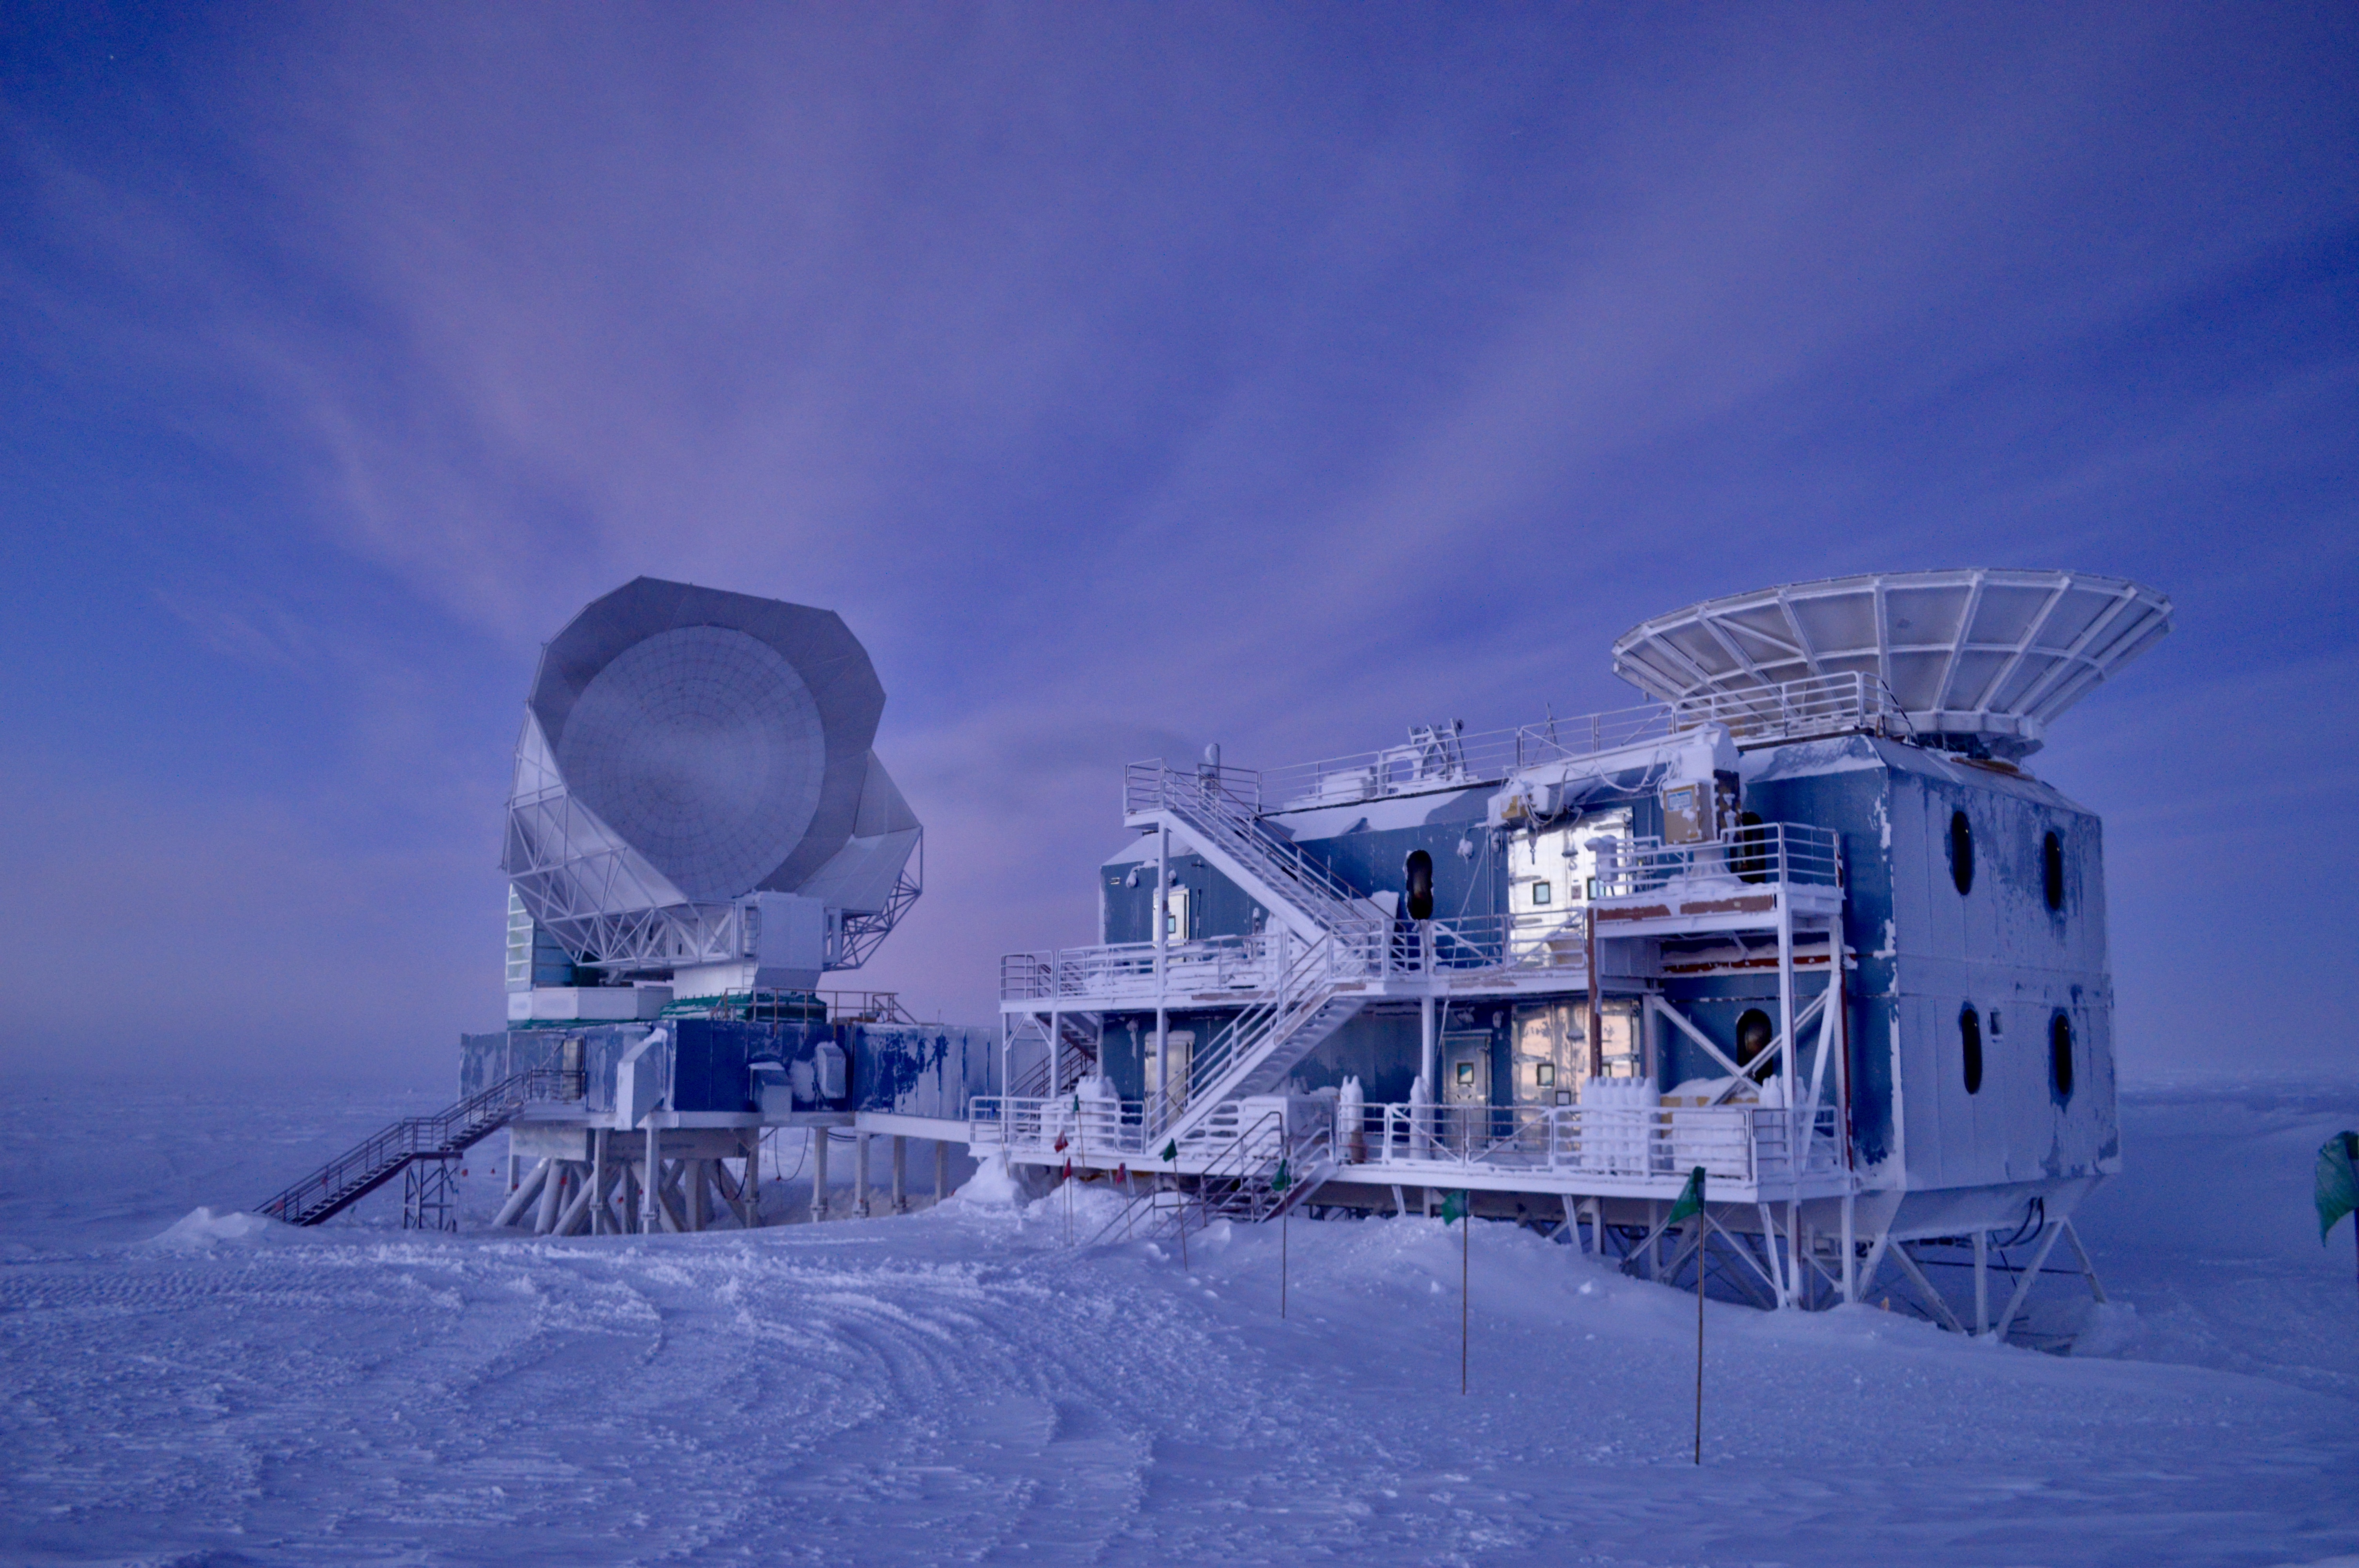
1305,987
1742,1143
1235,966
1845,703
359,1170
1208,803
1230,1164
1766,853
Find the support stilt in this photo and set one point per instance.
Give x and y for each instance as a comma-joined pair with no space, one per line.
521,1198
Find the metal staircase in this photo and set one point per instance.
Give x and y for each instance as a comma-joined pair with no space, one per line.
1329,938
1216,809
1256,1175
360,1171
1268,1038
1066,1058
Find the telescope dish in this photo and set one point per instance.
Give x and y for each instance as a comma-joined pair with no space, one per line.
686,748
1980,659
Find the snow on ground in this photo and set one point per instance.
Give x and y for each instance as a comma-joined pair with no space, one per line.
185,1384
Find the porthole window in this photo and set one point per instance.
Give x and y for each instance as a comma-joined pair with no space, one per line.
1539,892
1970,1048
2051,871
1417,876
1961,851
1753,1031
2060,1056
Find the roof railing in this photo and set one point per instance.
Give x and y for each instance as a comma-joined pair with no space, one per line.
1436,758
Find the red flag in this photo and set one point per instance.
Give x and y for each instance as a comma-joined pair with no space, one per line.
1059,1145
1068,1167
1122,1175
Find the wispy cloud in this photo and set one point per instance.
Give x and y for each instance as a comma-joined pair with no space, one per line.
1131,377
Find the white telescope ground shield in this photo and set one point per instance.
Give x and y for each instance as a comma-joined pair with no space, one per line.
695,788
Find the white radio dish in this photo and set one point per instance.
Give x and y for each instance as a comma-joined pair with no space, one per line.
1979,659
686,749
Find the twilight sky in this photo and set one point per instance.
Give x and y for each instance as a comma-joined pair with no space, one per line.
1128,377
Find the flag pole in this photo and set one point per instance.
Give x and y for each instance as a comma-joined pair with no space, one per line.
1698,1430
1691,1206
1465,1251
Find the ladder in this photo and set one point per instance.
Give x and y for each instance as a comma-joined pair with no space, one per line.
415,1139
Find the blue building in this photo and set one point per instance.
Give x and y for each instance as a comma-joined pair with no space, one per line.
1805,924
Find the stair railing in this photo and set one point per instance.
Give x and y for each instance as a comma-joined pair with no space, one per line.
359,1170
1306,984
1205,803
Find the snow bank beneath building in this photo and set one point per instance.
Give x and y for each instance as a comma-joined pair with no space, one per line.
966,1383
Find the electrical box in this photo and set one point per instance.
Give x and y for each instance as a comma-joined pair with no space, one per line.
789,941
773,1089
830,1062
1687,813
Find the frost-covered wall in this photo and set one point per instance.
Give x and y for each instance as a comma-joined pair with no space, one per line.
914,1069
1929,951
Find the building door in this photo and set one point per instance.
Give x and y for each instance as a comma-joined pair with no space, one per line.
1466,1091
1183,1047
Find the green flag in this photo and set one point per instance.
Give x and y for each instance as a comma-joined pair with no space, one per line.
1453,1207
1280,1181
1690,1198
1171,1151
2338,1182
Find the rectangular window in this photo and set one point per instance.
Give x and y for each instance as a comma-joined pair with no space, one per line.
1592,887
1466,1075
1547,1074
1540,893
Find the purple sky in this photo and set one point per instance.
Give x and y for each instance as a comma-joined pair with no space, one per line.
1128,377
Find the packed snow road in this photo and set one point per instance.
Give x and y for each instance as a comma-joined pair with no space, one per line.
961,1384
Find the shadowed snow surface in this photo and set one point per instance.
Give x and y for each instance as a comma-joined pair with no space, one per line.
961,1384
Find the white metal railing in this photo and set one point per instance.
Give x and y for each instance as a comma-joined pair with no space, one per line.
1527,939
1747,1144
1223,805
1742,1145
1035,1123
1768,853
1127,969
1849,703
1118,971
1306,981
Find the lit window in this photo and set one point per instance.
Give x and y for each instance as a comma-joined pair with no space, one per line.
1539,892
1546,1075
1466,1075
